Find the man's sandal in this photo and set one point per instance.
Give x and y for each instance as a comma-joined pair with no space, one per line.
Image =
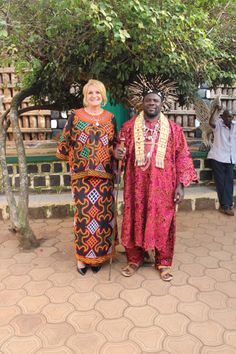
129,270
165,273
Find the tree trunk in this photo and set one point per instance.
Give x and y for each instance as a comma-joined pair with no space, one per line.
5,176
26,235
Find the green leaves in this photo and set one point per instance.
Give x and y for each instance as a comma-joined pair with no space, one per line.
67,41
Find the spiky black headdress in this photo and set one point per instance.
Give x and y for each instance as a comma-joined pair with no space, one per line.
143,85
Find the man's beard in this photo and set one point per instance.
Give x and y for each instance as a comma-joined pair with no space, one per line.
152,115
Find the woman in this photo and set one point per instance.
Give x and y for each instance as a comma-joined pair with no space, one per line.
87,142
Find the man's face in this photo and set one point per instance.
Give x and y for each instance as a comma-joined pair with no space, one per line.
227,118
152,105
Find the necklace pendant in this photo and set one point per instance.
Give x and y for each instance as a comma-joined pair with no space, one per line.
149,138
97,124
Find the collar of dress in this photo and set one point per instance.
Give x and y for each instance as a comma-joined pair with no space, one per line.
139,140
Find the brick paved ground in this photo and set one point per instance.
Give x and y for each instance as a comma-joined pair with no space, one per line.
47,307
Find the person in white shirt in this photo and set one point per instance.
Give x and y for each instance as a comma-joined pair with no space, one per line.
223,158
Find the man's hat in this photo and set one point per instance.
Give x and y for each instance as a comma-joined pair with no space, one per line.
144,85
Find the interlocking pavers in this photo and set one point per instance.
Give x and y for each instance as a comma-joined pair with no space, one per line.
84,321
185,344
46,307
123,347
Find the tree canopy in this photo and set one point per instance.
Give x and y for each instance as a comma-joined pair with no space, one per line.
56,43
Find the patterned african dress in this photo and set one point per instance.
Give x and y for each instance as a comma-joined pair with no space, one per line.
87,143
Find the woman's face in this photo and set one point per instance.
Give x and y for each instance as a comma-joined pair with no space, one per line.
94,97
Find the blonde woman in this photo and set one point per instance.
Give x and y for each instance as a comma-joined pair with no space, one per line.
87,143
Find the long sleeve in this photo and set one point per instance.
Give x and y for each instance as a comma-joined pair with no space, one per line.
185,171
64,144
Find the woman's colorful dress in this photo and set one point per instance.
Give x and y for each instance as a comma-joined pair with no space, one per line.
87,143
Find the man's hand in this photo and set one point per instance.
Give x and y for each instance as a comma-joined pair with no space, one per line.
179,193
119,153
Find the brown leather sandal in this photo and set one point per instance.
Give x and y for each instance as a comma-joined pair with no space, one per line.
165,273
129,270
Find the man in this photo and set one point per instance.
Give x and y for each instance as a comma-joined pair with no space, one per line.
223,158
157,167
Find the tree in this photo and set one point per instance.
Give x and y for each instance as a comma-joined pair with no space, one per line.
55,44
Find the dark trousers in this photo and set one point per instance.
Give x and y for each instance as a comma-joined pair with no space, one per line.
224,180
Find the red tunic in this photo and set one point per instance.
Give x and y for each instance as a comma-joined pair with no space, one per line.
149,208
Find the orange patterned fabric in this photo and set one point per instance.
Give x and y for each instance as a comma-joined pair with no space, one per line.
87,143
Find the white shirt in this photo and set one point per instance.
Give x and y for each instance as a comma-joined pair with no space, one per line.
224,145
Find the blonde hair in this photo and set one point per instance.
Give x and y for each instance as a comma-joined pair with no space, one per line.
101,88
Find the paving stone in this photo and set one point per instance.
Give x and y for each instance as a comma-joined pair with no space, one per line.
116,330
209,332
141,316
230,249
196,311
222,255
135,297
166,304
185,344
193,269
33,304
185,258
56,313
84,301
231,265
24,257
6,263
130,283
11,297
84,321
36,288
7,313
89,343
22,345
55,334
218,274
27,325
173,324
180,277
230,338
84,285
15,282
156,287
214,246
185,293
62,279
11,243
226,317
57,350
118,348
232,303
5,333
20,269
45,251
43,262
208,262
223,349
199,251
111,309
4,273
106,291
213,299
41,273
63,266
59,294
150,339
6,252
228,288
203,283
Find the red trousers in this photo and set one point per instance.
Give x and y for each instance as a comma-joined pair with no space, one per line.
136,255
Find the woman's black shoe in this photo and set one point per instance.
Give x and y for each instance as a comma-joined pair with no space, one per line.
82,271
96,269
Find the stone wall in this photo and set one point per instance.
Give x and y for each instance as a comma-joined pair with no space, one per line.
46,173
